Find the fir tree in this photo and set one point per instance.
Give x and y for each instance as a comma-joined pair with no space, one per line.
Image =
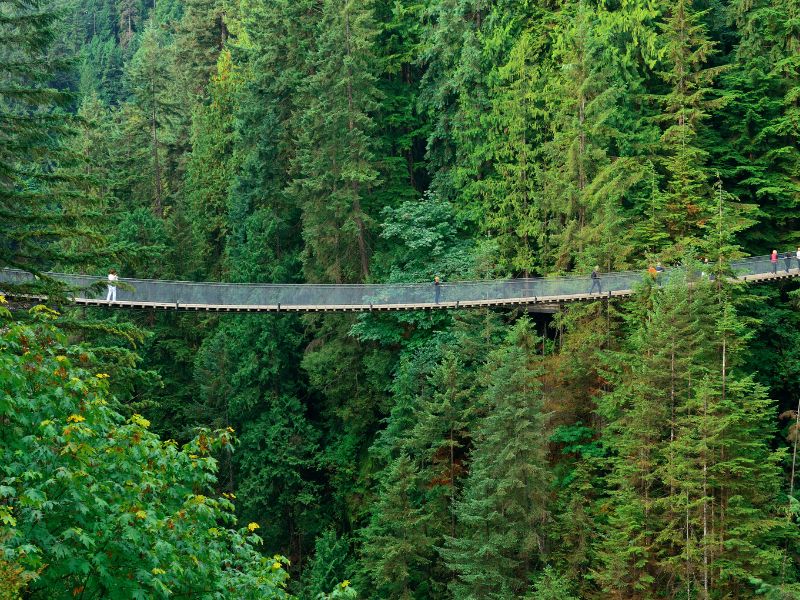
500,537
515,216
439,434
209,171
692,476
334,162
200,36
759,154
590,162
397,542
551,586
40,211
687,199
149,80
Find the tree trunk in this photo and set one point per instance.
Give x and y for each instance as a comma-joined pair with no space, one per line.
159,209
357,214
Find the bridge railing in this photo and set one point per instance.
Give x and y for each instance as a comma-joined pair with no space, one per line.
327,295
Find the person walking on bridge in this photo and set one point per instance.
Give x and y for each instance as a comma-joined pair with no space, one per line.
111,296
774,260
437,289
787,261
596,281
659,274
798,257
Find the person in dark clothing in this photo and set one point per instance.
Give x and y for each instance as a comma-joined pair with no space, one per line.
437,289
787,261
659,274
709,269
596,281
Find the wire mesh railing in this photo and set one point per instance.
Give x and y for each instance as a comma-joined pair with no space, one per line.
213,294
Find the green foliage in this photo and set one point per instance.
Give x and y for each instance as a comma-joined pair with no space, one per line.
551,586
248,385
335,156
154,108
501,518
430,454
685,204
208,173
687,439
39,215
343,591
397,544
328,566
94,504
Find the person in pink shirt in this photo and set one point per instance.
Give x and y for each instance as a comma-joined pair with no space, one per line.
774,260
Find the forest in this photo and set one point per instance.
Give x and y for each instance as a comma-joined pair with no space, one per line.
631,449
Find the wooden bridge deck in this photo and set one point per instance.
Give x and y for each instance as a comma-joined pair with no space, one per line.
527,301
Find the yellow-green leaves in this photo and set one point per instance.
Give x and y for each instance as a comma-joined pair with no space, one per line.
93,503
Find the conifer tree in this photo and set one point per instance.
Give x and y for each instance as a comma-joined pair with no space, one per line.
760,153
263,220
401,127
692,478
35,227
335,158
512,198
551,586
129,16
503,514
150,83
687,200
248,378
397,542
330,566
439,435
209,171
651,384
448,24
86,190
589,161
200,36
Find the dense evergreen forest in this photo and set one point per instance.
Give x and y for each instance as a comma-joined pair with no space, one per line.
637,449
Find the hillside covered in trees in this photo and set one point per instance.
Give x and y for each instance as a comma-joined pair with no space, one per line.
637,449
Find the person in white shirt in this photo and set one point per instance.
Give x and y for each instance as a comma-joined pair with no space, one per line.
798,257
112,289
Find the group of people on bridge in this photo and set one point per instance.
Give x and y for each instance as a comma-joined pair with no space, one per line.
655,272
787,260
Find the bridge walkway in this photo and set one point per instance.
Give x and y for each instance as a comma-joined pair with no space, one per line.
535,293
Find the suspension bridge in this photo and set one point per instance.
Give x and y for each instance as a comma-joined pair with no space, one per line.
541,293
